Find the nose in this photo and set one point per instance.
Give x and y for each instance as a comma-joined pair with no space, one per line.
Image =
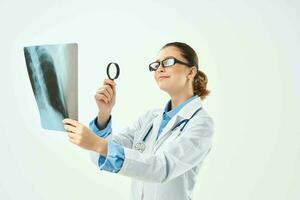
160,68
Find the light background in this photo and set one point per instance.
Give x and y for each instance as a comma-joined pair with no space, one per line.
248,49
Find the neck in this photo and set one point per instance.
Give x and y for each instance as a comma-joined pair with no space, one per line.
180,98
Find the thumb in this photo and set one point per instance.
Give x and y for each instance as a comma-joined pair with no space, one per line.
114,88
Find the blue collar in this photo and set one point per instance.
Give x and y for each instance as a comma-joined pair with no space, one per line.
170,113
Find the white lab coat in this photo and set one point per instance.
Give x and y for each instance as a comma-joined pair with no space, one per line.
168,167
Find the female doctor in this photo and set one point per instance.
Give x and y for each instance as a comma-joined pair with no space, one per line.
163,149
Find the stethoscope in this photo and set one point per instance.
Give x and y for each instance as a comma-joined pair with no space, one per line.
141,146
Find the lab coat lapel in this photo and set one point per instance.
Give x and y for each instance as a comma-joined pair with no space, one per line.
188,110
185,113
156,125
167,128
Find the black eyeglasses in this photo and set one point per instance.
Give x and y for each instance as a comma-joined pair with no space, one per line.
168,62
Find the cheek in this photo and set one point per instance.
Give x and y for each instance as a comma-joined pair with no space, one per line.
178,79
155,76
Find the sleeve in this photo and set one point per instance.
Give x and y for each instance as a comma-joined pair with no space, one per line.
103,132
124,138
117,143
114,160
180,155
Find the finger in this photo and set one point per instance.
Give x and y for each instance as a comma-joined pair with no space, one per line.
109,90
74,141
105,92
70,128
114,90
71,122
113,87
110,82
72,135
99,97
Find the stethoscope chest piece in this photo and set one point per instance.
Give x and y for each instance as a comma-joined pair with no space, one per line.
140,146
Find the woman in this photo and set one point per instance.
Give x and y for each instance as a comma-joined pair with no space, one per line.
164,149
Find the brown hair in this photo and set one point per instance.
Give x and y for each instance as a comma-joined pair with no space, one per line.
200,79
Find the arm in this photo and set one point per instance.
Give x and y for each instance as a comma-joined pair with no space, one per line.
113,161
101,131
126,136
116,142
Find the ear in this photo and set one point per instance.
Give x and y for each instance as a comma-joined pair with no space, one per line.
192,73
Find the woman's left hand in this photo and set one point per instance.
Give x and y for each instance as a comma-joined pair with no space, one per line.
80,135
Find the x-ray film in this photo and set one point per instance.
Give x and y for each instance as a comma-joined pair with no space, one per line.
53,74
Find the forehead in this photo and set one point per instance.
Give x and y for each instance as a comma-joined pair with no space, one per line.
169,51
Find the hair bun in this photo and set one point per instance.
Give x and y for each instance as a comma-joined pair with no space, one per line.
200,83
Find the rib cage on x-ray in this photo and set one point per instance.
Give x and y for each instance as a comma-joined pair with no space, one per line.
49,73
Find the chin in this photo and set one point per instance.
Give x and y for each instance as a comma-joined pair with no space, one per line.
163,87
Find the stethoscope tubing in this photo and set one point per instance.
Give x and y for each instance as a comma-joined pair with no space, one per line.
177,125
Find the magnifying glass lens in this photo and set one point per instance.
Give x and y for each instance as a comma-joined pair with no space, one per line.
113,70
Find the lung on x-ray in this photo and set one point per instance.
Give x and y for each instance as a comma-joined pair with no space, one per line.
53,74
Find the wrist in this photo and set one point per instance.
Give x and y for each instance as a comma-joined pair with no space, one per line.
101,146
104,113
102,120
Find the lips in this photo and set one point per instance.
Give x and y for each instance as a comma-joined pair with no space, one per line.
163,77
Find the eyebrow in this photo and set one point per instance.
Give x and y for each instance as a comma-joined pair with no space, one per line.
165,58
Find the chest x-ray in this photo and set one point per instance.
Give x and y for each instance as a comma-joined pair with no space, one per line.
53,74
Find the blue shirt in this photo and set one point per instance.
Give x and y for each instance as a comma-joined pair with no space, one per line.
169,113
115,154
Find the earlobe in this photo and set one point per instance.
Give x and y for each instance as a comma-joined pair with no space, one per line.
192,74
190,77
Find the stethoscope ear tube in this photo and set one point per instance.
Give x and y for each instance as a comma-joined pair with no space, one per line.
118,70
141,146
190,118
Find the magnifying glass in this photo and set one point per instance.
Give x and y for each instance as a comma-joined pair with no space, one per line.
113,70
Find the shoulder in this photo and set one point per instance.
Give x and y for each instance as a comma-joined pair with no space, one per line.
204,114
202,120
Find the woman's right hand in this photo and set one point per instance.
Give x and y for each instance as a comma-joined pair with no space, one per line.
105,96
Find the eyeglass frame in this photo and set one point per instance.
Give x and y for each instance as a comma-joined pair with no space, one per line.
161,63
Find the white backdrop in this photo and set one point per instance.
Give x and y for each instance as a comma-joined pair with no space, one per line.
248,49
